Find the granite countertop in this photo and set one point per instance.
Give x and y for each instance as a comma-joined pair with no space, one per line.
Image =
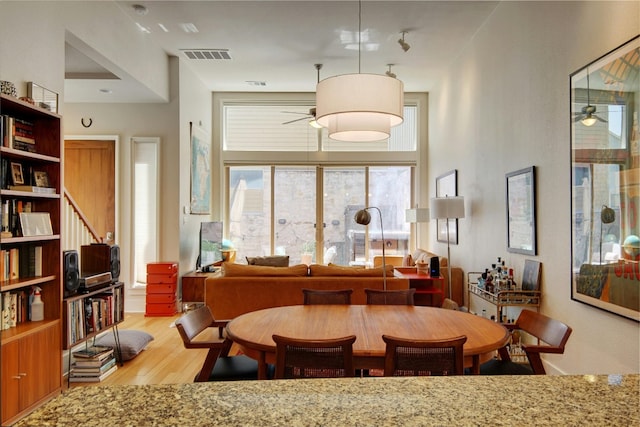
583,400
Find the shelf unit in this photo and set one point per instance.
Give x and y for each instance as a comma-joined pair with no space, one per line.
82,323
31,350
502,299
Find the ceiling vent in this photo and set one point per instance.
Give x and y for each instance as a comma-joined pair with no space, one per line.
207,53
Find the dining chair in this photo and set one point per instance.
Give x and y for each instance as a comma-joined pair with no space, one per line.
407,357
324,358
195,328
553,333
390,297
450,304
316,296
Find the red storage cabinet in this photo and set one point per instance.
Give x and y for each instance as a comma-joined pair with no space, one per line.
162,286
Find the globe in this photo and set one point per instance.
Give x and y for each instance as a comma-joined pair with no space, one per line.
631,246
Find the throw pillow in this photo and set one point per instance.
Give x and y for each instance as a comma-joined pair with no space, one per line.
131,342
272,261
340,270
240,270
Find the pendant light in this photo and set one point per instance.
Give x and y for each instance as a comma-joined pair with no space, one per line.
359,107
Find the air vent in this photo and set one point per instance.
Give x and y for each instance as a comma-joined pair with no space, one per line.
207,53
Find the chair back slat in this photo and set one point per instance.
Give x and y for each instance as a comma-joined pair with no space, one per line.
329,358
194,322
390,297
405,357
551,331
318,296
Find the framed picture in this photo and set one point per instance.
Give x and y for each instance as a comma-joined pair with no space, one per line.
447,185
521,211
41,178
17,176
605,182
43,98
35,224
531,275
200,171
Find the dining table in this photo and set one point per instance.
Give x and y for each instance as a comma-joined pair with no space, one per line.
252,332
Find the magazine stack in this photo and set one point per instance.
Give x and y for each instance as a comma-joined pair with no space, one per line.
93,364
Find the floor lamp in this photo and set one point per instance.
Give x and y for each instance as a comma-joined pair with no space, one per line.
447,208
363,217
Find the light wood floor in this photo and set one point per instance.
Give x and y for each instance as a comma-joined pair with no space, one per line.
165,361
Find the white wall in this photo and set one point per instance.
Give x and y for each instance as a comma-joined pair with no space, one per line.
503,106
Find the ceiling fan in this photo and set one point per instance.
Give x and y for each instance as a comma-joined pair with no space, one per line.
311,115
588,115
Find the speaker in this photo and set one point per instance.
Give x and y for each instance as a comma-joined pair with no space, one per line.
434,266
100,258
71,272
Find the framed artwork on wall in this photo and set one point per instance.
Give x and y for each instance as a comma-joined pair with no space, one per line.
200,171
521,211
605,182
447,185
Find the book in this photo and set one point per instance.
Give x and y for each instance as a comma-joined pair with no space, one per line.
80,369
91,363
93,378
33,189
93,352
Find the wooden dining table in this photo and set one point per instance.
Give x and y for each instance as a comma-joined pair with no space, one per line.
252,331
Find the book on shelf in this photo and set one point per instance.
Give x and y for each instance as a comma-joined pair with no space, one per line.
33,189
93,378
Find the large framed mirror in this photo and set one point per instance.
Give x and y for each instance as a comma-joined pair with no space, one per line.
605,183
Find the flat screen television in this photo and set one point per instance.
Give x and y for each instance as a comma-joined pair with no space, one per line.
210,251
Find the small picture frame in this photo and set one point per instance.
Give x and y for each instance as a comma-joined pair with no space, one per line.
42,97
35,224
41,178
531,275
17,176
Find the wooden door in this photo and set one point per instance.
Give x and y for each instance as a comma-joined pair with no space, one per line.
89,177
10,381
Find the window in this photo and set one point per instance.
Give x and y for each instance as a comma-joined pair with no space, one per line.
145,206
292,190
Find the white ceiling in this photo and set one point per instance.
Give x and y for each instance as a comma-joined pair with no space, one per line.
278,43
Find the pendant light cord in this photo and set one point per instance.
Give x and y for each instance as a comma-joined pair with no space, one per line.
359,34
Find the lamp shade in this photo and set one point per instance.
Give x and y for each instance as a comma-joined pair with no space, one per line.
417,215
359,107
447,207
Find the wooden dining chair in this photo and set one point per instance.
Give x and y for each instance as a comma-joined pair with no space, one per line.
196,329
552,333
316,296
390,297
406,357
326,358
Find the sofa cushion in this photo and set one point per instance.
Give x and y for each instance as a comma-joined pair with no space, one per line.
231,270
272,261
340,270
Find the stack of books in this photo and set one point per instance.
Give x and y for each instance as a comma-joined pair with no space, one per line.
93,364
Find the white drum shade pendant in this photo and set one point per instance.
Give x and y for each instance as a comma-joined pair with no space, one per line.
359,107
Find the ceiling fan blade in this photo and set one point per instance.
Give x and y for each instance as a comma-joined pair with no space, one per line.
577,119
600,118
296,120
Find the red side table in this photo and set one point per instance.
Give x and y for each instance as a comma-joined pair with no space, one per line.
424,284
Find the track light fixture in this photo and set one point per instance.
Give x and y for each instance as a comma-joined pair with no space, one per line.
403,44
389,72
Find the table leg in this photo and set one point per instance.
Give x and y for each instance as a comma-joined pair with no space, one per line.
262,367
475,367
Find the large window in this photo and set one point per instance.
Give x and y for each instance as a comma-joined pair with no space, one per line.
291,190
315,229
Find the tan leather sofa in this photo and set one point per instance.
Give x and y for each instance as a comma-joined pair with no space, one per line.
230,295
